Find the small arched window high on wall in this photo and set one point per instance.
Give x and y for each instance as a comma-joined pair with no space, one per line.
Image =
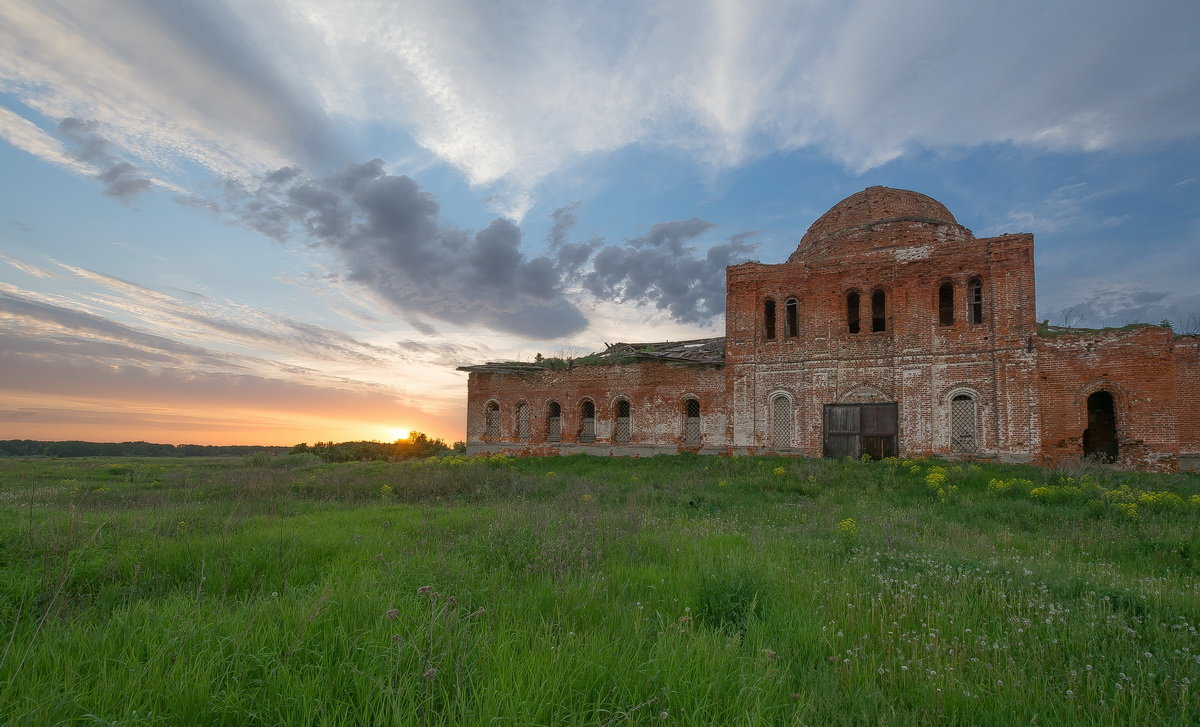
691,422
791,320
491,428
878,311
523,421
964,424
623,431
852,312
946,304
783,430
553,422
769,319
975,300
587,422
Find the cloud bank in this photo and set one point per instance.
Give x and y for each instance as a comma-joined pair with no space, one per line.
512,97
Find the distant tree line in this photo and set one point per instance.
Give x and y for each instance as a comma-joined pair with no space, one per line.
417,445
34,448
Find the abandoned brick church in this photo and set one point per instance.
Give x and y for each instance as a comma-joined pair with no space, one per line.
891,330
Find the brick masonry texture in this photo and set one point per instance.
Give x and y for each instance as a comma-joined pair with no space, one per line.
1029,388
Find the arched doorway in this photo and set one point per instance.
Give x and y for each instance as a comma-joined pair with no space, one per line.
1100,437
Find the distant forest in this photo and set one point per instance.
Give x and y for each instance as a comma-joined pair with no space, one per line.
418,445
33,448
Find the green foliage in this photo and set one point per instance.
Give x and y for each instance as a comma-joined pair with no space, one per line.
459,590
416,446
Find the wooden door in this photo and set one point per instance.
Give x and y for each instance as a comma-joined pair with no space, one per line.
879,430
852,430
842,424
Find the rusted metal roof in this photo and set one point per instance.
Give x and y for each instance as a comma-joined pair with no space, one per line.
700,351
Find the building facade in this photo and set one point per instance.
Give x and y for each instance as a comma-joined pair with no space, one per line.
890,331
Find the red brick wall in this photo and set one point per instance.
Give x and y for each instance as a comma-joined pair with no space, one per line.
1137,367
916,361
1187,386
655,390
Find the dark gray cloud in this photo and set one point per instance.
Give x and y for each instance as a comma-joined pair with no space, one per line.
387,231
120,178
663,269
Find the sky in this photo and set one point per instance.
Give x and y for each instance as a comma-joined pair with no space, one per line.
275,221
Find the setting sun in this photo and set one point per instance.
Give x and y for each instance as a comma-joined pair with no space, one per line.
400,433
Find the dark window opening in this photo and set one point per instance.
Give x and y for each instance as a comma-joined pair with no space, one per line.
1100,437
852,312
691,422
492,421
975,300
782,422
623,432
964,424
878,316
523,422
791,324
769,319
946,304
554,422
587,423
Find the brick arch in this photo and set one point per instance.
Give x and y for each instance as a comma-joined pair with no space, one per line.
1119,394
949,392
864,394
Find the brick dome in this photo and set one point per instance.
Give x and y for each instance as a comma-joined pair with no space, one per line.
877,205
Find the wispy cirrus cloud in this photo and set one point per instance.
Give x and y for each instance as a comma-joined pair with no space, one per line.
512,97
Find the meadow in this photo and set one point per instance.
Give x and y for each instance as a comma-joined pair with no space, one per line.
584,591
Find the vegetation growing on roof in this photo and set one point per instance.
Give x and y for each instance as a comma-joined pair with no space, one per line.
1045,330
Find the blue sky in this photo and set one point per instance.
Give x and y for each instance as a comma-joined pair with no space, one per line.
275,221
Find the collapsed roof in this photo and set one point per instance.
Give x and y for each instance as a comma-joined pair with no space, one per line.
699,351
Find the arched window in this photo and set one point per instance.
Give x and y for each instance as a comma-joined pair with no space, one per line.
852,312
769,319
878,311
587,422
491,421
691,421
975,300
523,421
791,321
623,432
964,424
946,304
553,422
783,430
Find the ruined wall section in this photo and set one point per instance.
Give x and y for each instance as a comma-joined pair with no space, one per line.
915,361
1138,367
655,390
1187,386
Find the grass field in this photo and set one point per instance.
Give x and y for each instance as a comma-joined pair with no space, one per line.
668,591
